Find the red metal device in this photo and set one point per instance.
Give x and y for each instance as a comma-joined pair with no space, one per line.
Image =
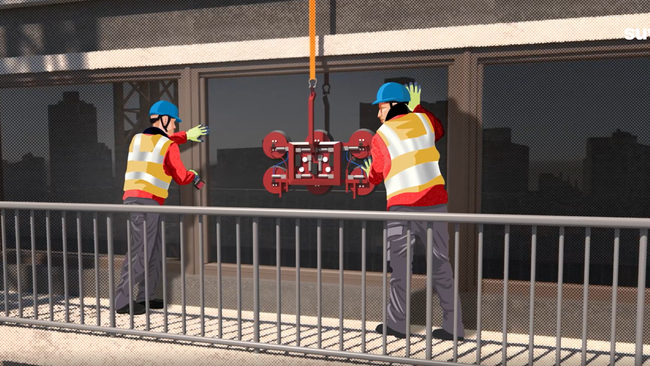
319,163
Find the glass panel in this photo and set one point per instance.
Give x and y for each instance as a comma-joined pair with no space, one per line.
59,144
244,110
566,138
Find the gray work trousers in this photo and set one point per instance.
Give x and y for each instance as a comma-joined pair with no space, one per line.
154,255
442,275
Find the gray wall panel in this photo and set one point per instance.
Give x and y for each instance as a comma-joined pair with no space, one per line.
117,24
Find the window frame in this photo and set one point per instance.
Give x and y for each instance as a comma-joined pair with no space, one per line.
465,69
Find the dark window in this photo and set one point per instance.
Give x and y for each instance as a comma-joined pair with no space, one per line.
70,144
566,138
242,111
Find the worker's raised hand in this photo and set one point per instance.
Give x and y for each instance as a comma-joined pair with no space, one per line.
366,166
414,90
194,133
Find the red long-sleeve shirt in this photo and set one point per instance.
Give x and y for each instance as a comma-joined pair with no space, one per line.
381,163
173,166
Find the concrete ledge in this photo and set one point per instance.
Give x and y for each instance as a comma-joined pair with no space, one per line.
602,28
12,4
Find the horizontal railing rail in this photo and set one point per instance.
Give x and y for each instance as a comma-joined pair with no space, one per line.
297,214
357,215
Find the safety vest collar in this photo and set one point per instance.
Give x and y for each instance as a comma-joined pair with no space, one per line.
154,131
154,156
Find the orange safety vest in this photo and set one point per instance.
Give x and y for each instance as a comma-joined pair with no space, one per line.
145,170
410,140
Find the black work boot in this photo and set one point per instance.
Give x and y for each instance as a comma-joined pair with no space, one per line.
138,309
153,304
444,335
389,331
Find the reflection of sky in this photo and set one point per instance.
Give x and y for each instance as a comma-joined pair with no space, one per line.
555,107
242,111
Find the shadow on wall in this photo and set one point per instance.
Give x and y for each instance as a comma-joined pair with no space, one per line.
466,130
61,31
60,37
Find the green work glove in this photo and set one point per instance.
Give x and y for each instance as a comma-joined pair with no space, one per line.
414,89
194,133
366,166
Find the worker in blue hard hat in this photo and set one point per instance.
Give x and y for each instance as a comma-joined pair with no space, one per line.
404,157
154,160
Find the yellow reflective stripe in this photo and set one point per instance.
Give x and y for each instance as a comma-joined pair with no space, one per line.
407,127
143,156
397,146
148,178
413,158
155,170
135,143
157,156
433,182
145,170
147,143
141,185
413,176
427,123
161,145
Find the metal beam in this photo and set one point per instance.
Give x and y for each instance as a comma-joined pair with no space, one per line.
190,234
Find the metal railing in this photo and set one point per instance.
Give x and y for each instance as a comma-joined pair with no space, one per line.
280,214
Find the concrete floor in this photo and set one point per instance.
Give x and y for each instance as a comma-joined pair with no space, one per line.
77,347
69,347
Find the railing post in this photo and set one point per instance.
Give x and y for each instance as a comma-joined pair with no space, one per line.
4,266
560,283
256,283
640,304
371,353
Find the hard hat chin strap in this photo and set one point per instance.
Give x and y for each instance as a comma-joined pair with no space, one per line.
165,125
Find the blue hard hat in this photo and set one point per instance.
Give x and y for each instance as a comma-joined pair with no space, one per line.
165,108
392,92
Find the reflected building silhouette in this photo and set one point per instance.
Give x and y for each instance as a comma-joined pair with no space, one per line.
551,184
25,180
80,167
616,166
505,164
241,168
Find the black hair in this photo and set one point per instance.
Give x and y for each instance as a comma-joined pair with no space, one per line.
159,118
397,109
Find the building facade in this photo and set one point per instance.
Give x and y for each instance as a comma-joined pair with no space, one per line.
539,104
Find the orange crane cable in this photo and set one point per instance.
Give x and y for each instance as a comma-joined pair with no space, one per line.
312,40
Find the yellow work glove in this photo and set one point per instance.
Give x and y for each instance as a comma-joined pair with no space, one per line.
414,89
193,134
366,166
